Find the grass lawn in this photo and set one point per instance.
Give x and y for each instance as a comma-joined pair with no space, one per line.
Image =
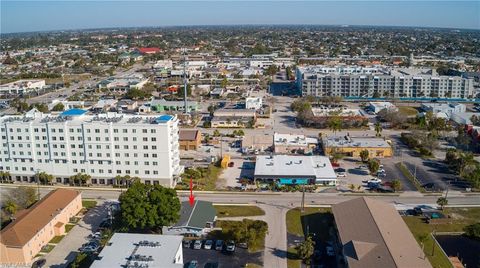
88,204
407,110
56,239
68,227
318,221
238,211
292,259
252,265
47,248
461,218
205,178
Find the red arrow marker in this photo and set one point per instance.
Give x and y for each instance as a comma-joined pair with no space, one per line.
191,199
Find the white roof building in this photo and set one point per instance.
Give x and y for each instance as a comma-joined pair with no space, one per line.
377,106
295,169
441,109
21,86
141,250
254,103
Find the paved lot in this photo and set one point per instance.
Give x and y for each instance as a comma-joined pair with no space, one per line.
394,173
237,259
66,250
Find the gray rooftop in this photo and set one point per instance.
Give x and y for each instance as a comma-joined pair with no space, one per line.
318,167
124,249
196,216
356,142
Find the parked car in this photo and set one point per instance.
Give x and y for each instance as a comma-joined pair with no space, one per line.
219,245
231,164
374,180
187,243
39,263
193,264
230,246
341,174
242,245
208,244
363,167
330,251
197,244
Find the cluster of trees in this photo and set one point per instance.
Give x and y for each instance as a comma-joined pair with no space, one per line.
247,231
125,180
421,141
395,119
137,94
147,208
473,230
16,199
432,123
464,164
80,179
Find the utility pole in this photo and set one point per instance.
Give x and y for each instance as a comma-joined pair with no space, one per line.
303,199
185,79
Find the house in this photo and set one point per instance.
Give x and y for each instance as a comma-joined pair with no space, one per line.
196,220
351,146
217,92
295,170
33,228
190,139
127,105
444,109
372,234
148,50
289,143
141,250
377,106
254,103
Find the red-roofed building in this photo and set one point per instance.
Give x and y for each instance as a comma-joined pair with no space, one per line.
148,50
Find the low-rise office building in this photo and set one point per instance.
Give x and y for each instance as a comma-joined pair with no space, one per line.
141,250
289,143
123,84
372,234
377,106
257,143
295,170
352,146
233,118
190,139
33,228
196,220
162,105
254,103
102,145
23,86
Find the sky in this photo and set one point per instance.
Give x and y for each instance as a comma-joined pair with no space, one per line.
28,16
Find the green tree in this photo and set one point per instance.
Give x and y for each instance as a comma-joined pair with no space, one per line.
216,133
396,185
23,196
10,207
45,178
137,94
442,202
334,123
149,207
271,70
41,107
378,129
305,249
5,176
473,230
364,155
58,107
80,178
373,166
224,83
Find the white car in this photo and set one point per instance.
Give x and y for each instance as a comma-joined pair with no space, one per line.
197,244
208,244
341,174
374,180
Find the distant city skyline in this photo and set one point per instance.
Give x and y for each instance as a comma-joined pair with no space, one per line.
30,16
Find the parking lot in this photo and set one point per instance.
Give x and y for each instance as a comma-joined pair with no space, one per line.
239,258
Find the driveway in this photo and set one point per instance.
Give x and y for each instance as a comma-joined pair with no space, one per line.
66,250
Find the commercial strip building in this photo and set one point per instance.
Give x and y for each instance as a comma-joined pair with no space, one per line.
372,234
190,139
352,146
123,84
23,86
102,145
164,105
141,250
33,228
196,220
254,103
295,170
380,81
289,143
233,118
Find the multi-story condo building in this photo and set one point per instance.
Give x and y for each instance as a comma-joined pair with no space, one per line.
102,146
379,81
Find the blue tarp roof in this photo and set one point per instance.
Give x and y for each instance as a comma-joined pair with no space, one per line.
73,112
164,118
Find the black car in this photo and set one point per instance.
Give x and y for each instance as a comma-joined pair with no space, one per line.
39,263
187,243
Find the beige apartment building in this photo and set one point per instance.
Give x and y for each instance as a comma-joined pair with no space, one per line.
33,228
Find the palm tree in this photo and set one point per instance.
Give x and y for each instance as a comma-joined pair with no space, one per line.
364,154
378,129
305,249
442,202
396,185
10,207
334,124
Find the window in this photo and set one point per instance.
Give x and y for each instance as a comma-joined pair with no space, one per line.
144,130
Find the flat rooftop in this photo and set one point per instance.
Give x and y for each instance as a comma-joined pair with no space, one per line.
323,111
150,250
292,140
298,166
356,142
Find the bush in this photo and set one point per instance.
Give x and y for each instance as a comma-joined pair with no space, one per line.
473,231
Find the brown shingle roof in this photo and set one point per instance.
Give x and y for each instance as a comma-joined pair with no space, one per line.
26,226
374,235
188,135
